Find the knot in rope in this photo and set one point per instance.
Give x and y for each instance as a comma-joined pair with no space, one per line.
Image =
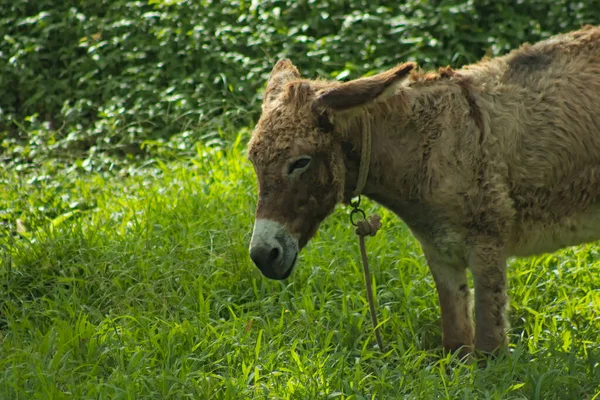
368,227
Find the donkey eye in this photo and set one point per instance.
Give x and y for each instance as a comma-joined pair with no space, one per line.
299,164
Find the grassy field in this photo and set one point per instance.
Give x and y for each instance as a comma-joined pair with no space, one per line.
139,286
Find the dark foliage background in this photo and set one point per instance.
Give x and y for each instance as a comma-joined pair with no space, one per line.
94,82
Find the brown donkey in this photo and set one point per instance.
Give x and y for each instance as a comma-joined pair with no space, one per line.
498,159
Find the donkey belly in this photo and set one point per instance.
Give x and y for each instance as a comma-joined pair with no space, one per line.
531,238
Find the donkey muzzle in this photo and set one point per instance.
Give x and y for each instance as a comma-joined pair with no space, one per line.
273,249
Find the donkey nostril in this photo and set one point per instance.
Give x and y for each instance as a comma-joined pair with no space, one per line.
273,255
265,257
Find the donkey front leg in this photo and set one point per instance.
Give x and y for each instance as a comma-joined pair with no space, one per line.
488,267
455,302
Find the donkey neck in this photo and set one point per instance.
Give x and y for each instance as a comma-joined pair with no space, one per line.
406,130
392,150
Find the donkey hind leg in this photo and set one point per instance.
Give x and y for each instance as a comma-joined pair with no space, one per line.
455,303
488,267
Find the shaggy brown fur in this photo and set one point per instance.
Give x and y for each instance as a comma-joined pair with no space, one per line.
497,159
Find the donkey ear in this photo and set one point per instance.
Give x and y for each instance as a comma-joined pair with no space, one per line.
359,92
283,72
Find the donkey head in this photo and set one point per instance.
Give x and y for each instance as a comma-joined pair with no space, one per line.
297,156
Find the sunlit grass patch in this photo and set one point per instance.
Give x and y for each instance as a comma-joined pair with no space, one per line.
147,291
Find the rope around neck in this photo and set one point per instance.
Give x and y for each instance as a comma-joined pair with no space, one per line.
366,227
365,157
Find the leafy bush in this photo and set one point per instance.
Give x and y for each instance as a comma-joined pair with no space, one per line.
106,76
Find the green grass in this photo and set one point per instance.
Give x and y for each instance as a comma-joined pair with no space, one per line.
139,286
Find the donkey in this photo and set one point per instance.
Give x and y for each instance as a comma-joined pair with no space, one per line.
498,159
